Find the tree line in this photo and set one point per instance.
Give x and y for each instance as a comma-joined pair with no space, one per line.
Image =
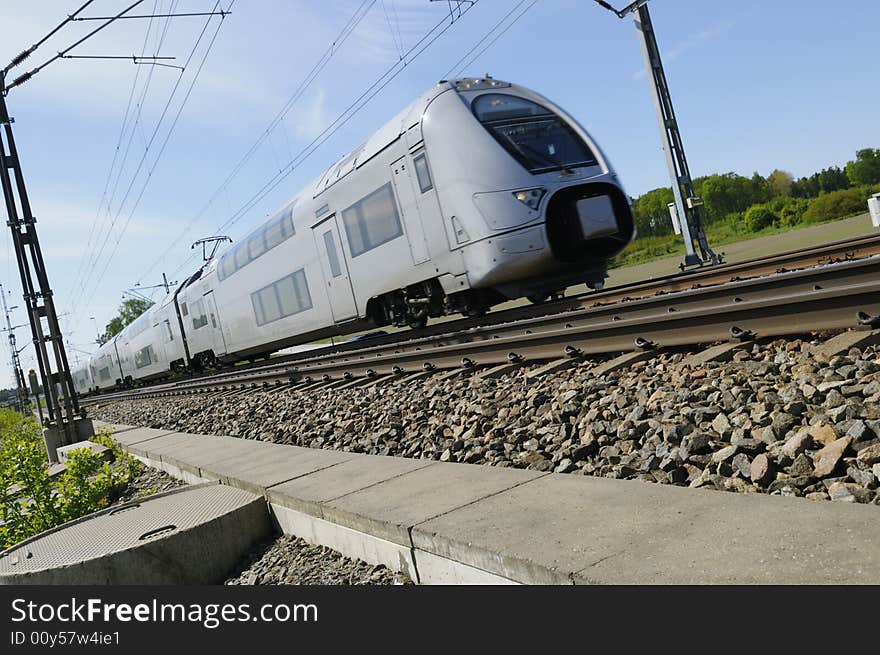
777,199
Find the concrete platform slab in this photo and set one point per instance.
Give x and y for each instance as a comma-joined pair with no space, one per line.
130,437
564,529
389,509
350,543
309,493
462,523
258,471
113,427
439,570
168,442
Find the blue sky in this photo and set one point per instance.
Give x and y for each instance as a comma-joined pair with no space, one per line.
757,85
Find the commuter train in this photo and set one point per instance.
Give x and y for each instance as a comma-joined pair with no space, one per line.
478,192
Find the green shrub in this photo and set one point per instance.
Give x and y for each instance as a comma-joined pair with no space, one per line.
31,501
793,210
759,217
838,204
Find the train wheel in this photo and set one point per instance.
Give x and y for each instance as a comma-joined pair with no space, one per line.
417,323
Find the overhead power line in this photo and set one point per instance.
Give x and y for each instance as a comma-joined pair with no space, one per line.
459,67
221,12
21,79
164,142
29,51
96,233
359,14
438,30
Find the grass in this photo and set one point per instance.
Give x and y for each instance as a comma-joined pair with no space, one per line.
722,233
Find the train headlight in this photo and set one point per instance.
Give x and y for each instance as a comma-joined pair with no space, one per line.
530,197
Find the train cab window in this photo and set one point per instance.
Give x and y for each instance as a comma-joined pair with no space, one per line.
422,173
332,255
372,221
183,309
169,335
199,319
533,135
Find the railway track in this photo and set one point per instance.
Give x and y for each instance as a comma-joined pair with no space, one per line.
831,287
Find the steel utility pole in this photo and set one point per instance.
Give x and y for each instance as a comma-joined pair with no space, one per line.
689,206
20,388
65,421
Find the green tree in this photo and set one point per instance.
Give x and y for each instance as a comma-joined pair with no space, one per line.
780,183
731,193
129,310
866,167
833,179
806,187
652,212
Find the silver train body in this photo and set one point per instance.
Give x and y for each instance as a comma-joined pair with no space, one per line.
478,192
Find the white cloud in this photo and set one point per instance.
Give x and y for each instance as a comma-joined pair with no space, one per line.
311,120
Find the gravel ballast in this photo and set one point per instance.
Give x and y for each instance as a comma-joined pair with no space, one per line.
776,419
146,483
290,560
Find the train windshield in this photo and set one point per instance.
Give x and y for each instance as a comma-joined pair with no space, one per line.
535,136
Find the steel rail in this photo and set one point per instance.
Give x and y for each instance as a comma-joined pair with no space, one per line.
831,297
842,250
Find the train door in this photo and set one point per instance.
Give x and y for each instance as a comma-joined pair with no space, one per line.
218,341
409,210
427,201
335,269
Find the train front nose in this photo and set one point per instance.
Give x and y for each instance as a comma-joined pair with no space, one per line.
588,220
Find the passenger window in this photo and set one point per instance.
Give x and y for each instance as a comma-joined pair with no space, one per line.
271,306
288,296
289,302
241,256
302,290
144,357
199,320
372,221
183,310
226,267
169,333
422,173
274,234
332,255
256,245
